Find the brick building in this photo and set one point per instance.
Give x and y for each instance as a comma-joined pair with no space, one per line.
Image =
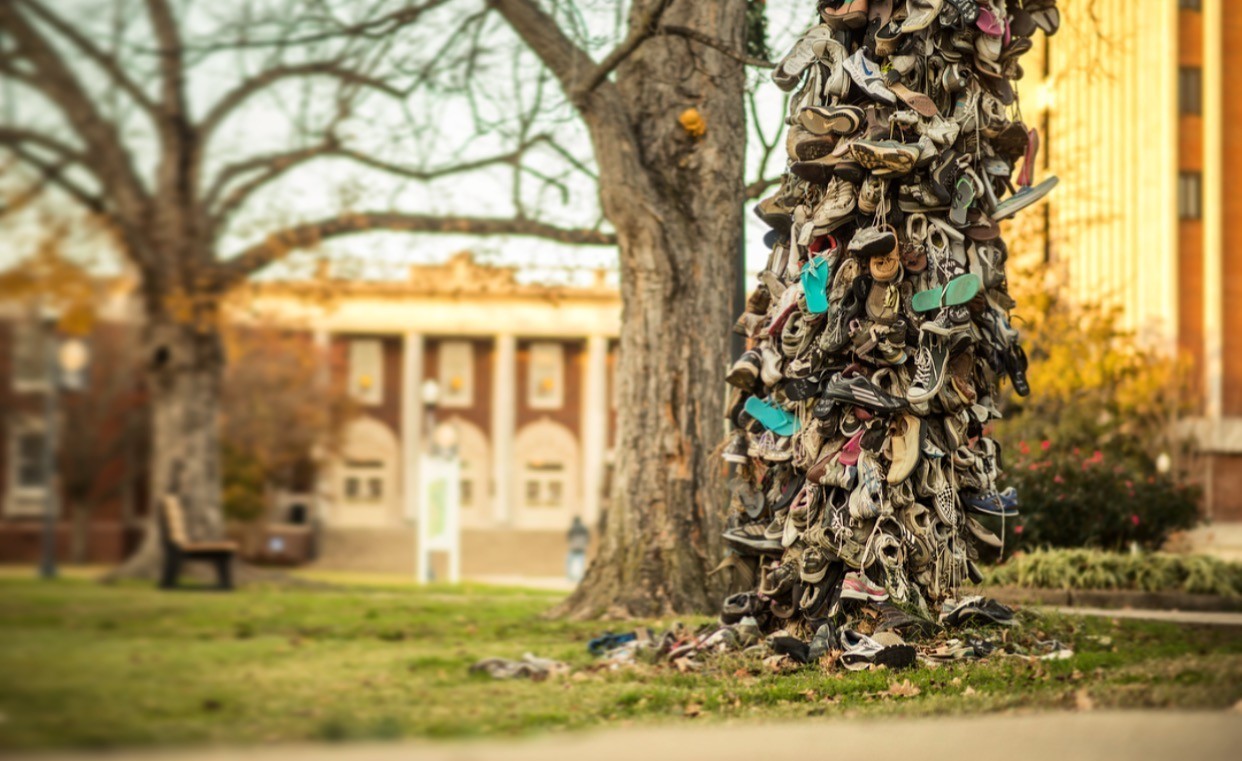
525,373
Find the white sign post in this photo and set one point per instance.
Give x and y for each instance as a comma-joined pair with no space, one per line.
439,526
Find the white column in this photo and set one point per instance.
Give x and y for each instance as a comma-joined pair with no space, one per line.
504,420
321,500
1213,214
411,421
594,426
1213,235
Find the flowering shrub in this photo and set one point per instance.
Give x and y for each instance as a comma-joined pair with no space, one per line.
1075,498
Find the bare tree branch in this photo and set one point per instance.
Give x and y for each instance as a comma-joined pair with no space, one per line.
279,244
272,166
639,33
107,63
712,42
55,174
233,99
105,154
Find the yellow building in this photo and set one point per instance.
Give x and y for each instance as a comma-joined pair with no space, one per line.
1130,99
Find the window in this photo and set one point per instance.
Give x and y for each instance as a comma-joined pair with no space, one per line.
366,370
1190,5
456,374
29,356
547,376
363,481
1190,195
545,484
27,479
1190,89
465,493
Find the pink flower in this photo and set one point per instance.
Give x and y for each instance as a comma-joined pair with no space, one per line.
1077,451
1130,485
1134,519
1045,445
1023,448
1057,479
1017,529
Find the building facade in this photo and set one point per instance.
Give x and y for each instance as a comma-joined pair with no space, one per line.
1137,121
524,376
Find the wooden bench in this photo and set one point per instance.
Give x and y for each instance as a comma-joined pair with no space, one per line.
178,548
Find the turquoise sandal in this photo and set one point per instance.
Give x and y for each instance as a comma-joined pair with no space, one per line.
770,416
815,276
957,291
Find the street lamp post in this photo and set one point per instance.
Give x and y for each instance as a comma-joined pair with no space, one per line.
51,412
64,365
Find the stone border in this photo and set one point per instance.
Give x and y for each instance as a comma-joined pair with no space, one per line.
1115,598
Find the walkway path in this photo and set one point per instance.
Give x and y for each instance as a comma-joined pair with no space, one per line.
1172,616
1135,736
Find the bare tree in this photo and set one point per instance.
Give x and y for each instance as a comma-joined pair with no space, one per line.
123,127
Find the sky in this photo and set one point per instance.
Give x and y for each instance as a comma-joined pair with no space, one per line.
431,129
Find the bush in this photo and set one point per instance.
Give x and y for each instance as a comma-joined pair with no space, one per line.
1143,572
1095,451
1074,499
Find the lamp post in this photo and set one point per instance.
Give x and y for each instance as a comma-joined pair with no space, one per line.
65,365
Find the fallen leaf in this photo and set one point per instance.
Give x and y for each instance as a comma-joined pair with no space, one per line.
692,710
1076,675
902,689
968,691
1083,701
809,694
956,681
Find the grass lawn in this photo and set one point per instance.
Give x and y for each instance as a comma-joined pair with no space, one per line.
87,665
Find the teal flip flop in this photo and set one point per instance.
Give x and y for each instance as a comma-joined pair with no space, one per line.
815,276
957,291
770,416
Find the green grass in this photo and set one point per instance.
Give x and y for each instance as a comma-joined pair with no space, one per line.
85,665
1096,569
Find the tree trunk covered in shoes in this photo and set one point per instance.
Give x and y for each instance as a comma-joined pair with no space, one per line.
675,199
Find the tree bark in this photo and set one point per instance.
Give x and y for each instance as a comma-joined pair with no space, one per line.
185,363
677,208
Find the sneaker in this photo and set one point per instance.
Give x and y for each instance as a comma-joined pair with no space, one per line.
929,368
814,565
858,390
888,155
828,120
1002,505
968,10
745,372
871,194
861,652
976,608
803,145
858,587
807,50
739,606
737,450
751,539
868,77
836,208
921,15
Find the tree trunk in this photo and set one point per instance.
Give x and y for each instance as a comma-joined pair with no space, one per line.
185,362
677,209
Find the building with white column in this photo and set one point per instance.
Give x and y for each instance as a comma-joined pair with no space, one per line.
524,376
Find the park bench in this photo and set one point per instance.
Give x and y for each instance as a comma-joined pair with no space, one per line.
178,548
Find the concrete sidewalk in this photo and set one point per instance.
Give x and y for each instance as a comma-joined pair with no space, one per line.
1194,617
1134,736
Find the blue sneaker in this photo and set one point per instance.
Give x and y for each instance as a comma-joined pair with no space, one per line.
1003,505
